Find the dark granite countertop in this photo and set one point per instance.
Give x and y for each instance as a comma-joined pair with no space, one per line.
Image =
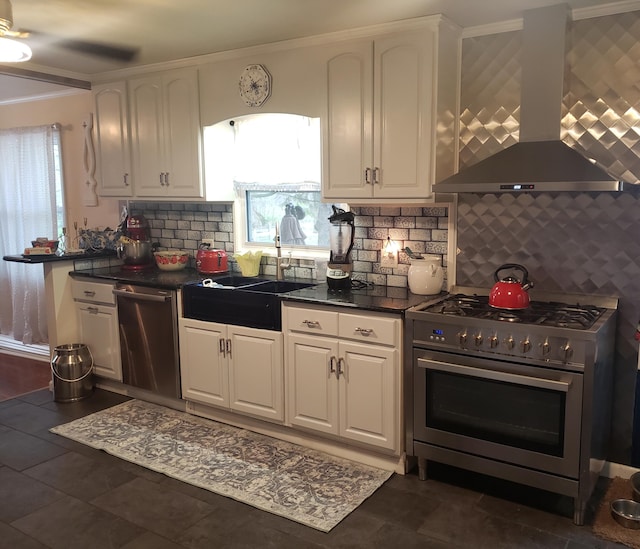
152,277
386,299
373,298
52,258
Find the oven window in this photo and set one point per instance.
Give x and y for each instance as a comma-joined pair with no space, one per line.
524,417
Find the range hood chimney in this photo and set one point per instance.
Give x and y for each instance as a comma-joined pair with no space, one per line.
540,161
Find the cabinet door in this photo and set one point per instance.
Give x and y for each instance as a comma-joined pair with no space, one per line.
111,139
312,385
145,100
256,384
99,332
203,363
182,134
347,134
403,114
369,394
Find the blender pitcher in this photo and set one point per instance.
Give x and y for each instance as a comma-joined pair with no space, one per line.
341,233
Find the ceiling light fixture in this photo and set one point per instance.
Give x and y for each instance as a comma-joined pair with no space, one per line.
12,51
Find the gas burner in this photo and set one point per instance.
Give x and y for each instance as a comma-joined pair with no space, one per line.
569,316
542,313
506,316
457,305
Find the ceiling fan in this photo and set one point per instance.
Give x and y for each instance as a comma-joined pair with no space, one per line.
107,51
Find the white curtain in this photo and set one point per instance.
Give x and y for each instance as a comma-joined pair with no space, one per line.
27,211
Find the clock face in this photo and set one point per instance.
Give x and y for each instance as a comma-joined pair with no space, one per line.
255,85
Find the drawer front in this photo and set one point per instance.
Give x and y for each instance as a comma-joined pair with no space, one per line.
370,329
312,321
93,292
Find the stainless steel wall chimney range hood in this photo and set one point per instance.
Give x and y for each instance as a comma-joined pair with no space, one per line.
540,161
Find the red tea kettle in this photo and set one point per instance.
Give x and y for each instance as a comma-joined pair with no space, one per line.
509,292
210,261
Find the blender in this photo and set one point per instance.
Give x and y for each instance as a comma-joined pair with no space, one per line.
341,233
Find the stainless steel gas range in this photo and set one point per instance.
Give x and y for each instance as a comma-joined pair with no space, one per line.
521,395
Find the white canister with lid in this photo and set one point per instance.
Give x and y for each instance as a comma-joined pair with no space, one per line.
426,275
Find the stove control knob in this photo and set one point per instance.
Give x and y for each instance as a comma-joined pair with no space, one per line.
493,341
545,348
478,340
462,338
567,351
510,343
525,345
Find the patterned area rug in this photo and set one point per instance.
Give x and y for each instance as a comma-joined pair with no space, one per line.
298,483
604,525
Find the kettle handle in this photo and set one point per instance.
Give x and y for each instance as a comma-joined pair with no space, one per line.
524,271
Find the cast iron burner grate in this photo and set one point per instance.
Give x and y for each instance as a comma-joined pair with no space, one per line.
539,312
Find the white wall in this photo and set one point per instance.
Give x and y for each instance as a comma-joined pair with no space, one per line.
69,111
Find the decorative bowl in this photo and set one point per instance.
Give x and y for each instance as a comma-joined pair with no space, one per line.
626,512
171,260
635,484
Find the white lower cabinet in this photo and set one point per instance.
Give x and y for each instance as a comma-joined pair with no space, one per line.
343,374
232,367
98,321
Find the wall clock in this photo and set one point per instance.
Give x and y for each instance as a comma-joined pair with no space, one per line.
255,85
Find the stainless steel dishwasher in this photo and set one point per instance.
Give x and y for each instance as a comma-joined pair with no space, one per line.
148,326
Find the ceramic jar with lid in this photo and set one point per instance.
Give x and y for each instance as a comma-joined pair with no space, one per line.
426,275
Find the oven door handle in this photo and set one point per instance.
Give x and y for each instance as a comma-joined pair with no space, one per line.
496,376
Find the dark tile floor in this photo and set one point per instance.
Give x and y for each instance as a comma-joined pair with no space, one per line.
60,494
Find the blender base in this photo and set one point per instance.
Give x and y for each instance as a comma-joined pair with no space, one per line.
340,284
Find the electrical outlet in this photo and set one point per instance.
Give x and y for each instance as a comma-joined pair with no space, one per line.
388,260
209,241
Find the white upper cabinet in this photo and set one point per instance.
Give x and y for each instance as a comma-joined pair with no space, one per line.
390,104
111,139
387,97
165,135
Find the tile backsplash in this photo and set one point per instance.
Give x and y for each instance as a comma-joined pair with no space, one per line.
183,225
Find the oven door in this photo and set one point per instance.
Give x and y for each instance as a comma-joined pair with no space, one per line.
517,414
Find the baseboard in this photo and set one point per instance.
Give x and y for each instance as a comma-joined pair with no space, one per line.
612,470
14,347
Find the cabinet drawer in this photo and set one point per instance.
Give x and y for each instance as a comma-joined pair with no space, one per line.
371,329
94,292
312,321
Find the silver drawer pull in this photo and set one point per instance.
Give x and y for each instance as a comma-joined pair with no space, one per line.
364,331
93,310
332,365
222,347
311,323
89,293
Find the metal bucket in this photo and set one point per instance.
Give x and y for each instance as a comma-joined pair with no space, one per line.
72,368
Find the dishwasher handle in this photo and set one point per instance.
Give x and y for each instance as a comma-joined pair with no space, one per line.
140,296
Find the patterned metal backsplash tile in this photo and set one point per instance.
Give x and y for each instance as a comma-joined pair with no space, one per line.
584,243
603,101
601,106
490,95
